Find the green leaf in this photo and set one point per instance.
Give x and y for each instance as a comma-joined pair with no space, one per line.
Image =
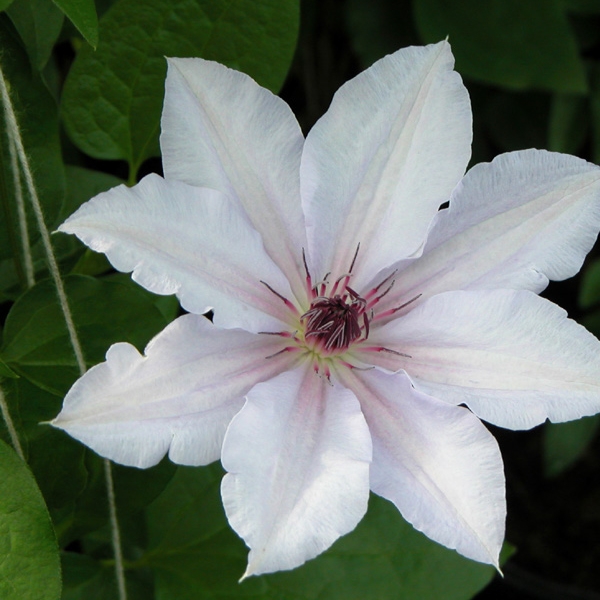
582,6
195,555
82,14
86,578
29,561
89,579
6,371
167,305
516,120
92,263
379,27
37,113
4,4
57,462
565,443
36,343
39,23
83,184
595,110
591,322
516,44
569,123
586,32
589,292
134,490
55,459
113,97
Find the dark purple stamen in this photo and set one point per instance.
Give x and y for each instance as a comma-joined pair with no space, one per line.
335,322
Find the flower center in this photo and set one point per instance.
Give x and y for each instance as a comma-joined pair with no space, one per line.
337,318
332,324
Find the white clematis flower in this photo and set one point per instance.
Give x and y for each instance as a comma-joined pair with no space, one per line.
353,319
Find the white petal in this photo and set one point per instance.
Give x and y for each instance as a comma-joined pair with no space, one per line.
193,242
298,457
436,462
378,164
512,357
516,222
179,397
221,130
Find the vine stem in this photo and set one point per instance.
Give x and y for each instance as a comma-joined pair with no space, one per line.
114,529
12,432
14,135
21,215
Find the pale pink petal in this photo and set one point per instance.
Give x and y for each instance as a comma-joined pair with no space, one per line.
179,397
189,241
378,164
516,222
297,457
221,130
512,357
436,462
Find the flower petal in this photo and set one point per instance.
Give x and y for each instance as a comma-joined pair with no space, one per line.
221,130
179,397
436,462
298,457
189,241
516,222
378,164
512,357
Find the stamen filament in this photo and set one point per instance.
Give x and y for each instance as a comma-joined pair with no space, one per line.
346,278
285,334
354,259
286,349
393,311
378,287
378,298
310,291
289,304
383,349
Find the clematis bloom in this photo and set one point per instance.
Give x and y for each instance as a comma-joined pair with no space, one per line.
360,333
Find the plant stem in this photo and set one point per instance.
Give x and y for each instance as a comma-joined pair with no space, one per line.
114,529
22,216
8,220
14,134
12,432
